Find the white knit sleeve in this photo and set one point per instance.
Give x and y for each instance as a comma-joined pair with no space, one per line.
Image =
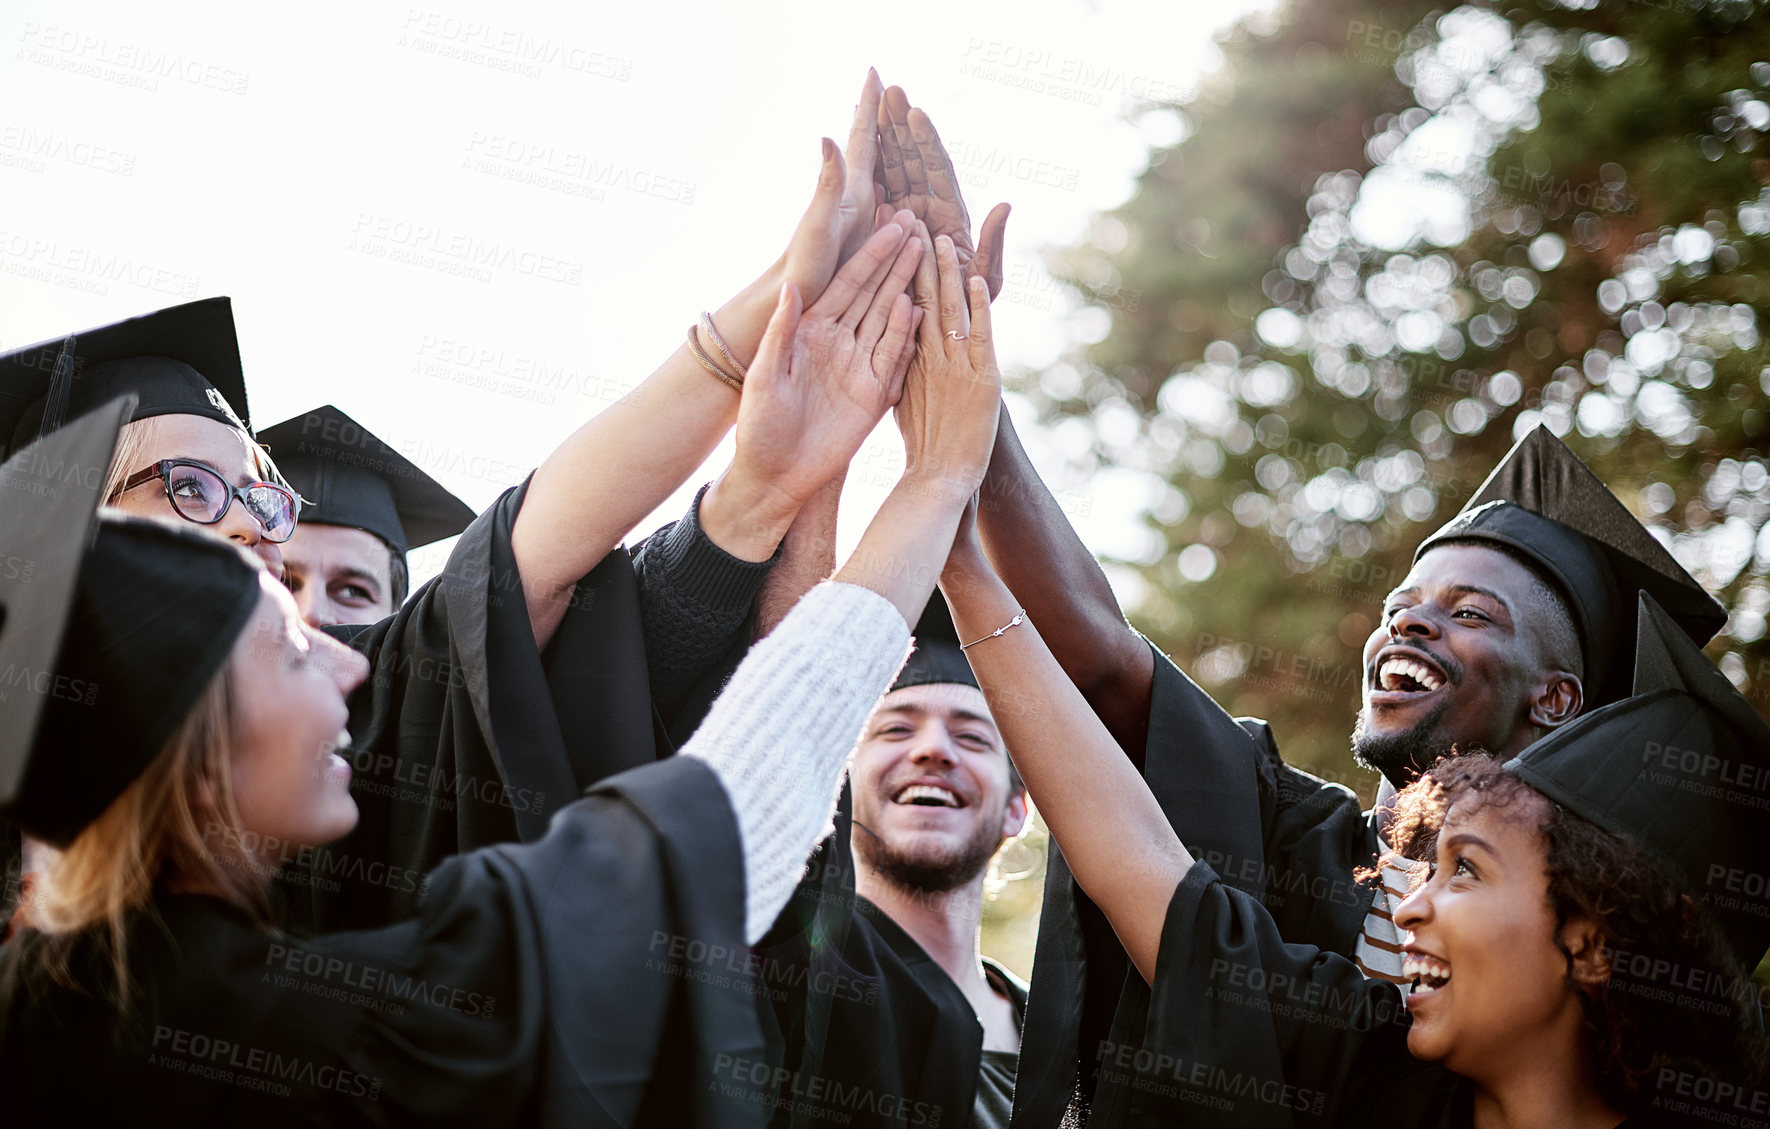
779,734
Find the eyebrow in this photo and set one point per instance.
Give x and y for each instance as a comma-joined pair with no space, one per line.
1460,590
958,713
1464,838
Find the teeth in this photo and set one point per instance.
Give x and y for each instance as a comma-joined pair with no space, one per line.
1396,673
928,792
1425,972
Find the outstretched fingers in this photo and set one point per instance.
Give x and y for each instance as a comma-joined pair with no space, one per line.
982,340
777,340
874,255
954,319
884,299
891,356
987,263
936,165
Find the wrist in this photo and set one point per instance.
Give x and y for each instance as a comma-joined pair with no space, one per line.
744,318
929,478
745,518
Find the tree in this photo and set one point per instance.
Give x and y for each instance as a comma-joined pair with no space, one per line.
1394,239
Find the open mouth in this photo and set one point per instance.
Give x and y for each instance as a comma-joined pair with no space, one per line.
1426,974
1404,674
928,796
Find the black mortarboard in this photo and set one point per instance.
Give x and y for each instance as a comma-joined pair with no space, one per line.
347,476
185,359
937,657
1544,504
110,628
1682,767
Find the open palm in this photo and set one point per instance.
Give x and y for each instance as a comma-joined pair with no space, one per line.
824,378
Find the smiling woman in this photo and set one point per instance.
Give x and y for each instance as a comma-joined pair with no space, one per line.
1529,934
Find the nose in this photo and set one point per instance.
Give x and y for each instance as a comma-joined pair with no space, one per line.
934,747
316,608
239,526
1412,623
1415,910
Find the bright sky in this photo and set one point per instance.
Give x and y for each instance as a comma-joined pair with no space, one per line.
625,165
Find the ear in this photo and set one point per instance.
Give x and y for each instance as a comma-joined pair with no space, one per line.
1588,957
1558,700
1014,814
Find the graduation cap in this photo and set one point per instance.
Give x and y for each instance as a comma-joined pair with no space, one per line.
184,360
1544,504
937,657
1681,767
347,476
110,629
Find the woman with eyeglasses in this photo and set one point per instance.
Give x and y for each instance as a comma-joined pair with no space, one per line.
531,668
592,977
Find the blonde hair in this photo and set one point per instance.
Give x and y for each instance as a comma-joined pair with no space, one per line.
174,827
133,440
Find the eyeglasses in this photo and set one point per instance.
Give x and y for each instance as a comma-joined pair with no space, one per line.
199,493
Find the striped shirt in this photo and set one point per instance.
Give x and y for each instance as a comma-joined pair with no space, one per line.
1378,951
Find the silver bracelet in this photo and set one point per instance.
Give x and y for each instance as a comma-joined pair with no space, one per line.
1019,618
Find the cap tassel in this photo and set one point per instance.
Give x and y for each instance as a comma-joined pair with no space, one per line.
61,389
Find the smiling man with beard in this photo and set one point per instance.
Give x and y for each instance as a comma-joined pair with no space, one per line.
888,1013
935,797
1505,629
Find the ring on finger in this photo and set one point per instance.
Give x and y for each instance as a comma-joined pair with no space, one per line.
956,335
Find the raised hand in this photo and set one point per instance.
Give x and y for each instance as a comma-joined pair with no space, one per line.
822,379
840,217
918,176
950,397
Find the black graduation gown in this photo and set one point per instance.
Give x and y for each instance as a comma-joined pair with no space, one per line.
1276,833
1246,1030
869,1030
542,984
465,736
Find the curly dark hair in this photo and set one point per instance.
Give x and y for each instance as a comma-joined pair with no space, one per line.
1676,1005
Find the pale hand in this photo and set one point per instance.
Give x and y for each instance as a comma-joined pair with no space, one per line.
823,379
950,398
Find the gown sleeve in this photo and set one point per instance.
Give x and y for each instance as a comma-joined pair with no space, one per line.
596,977
1247,1030
1274,833
465,736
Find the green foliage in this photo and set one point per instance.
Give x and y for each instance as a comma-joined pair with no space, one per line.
1394,238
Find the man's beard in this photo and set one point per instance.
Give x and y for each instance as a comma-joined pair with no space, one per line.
1402,757
939,874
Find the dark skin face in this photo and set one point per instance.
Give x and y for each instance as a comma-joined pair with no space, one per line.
1462,658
